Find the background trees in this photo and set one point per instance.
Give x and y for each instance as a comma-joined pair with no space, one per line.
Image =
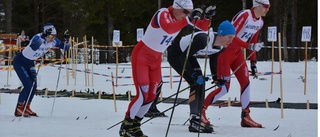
99,18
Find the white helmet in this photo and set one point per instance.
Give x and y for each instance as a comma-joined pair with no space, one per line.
49,29
256,3
182,4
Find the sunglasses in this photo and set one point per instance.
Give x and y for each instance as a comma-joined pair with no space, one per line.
186,12
264,5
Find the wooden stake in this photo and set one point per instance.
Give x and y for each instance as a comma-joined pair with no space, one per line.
72,93
85,60
272,66
92,51
117,62
280,65
46,92
305,68
76,65
161,96
308,104
229,102
67,66
267,103
129,95
99,94
114,94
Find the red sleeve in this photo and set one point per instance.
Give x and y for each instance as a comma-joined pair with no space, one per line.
240,42
168,25
238,22
202,24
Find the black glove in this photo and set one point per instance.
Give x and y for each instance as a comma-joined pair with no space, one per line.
254,71
66,35
196,14
210,11
219,82
33,73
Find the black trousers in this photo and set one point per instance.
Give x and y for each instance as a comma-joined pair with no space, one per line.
176,58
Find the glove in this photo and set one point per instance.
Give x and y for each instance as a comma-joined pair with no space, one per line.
219,82
200,80
210,11
254,70
256,46
196,14
33,73
66,35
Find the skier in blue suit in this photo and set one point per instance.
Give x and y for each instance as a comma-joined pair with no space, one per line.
24,65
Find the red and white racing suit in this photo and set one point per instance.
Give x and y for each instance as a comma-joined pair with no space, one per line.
147,57
247,30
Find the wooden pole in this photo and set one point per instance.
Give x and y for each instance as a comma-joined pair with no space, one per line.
305,68
86,61
267,103
229,101
67,66
46,92
10,57
129,95
8,63
117,63
92,51
76,64
308,104
99,94
161,96
272,66
280,65
72,93
72,56
114,94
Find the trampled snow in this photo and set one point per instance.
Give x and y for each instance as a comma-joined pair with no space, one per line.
96,115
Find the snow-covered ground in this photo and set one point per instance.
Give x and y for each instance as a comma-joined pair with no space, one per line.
96,115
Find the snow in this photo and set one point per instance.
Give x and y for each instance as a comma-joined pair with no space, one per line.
96,115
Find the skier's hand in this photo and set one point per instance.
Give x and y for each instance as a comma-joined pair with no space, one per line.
210,11
196,14
66,35
219,82
256,47
33,72
254,70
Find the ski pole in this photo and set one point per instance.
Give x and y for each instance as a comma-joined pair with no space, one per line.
207,88
175,94
29,95
55,93
202,95
182,73
157,103
175,105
